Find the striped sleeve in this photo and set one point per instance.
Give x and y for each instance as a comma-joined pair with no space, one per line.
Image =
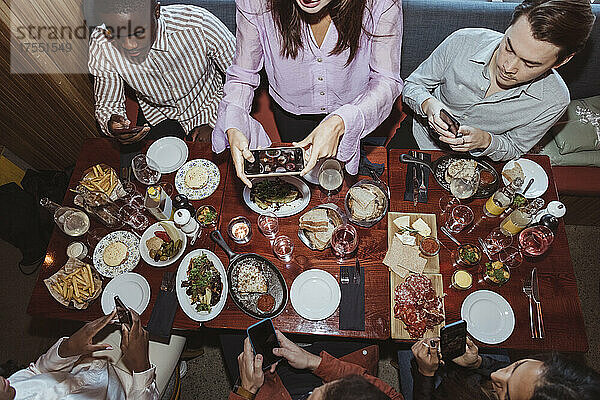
220,42
109,91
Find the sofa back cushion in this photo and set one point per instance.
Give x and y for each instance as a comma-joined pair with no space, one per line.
427,23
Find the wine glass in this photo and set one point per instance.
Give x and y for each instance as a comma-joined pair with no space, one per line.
496,241
331,179
344,241
465,187
535,240
145,169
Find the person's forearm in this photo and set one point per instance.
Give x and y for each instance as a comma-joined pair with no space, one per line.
144,385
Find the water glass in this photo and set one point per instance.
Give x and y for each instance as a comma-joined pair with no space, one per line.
344,241
283,248
145,169
460,217
463,188
511,257
496,241
268,223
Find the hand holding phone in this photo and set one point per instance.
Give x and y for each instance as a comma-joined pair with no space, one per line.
264,339
453,340
123,312
453,124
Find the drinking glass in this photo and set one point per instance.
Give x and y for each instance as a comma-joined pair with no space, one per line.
283,247
268,223
331,179
133,217
459,218
511,257
535,240
496,241
344,241
145,169
463,188
447,203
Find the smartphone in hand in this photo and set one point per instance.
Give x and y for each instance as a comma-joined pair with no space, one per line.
264,340
453,340
123,312
453,124
127,131
276,161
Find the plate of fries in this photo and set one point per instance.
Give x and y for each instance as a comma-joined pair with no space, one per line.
75,285
102,178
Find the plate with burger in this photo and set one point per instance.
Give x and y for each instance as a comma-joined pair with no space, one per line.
117,253
197,179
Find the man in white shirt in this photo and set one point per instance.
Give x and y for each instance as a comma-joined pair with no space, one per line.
173,57
69,370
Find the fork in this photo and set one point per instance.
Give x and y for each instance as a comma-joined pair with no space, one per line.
344,277
164,285
528,292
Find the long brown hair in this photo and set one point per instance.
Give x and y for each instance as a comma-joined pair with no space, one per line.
347,16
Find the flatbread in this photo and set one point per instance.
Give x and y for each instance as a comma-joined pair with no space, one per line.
251,279
115,254
406,257
513,173
196,177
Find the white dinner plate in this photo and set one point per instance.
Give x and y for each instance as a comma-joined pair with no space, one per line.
214,177
531,169
315,294
284,210
133,253
148,233
184,299
133,290
490,319
170,153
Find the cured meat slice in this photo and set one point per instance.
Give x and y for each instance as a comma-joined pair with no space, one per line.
417,305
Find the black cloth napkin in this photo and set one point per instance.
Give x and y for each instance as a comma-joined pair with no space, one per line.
365,164
408,192
163,313
352,303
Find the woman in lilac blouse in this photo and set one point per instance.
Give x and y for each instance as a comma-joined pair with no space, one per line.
332,82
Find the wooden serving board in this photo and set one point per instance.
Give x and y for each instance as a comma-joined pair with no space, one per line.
433,263
398,329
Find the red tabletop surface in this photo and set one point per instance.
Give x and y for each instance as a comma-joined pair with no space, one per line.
560,302
563,319
101,150
371,250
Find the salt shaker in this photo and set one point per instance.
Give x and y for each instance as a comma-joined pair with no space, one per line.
184,221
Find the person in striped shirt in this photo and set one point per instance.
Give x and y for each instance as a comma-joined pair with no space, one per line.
173,57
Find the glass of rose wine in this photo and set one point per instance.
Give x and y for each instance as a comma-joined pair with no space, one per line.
344,241
535,240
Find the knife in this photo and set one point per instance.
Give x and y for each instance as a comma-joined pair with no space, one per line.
415,182
535,292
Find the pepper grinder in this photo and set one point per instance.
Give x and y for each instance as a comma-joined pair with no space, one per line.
184,221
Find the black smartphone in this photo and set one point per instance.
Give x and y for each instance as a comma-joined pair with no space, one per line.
123,312
264,340
277,161
453,340
453,124
126,131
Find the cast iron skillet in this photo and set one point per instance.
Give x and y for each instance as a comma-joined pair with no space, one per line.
276,286
438,169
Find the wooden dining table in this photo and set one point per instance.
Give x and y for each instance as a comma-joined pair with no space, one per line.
563,320
562,310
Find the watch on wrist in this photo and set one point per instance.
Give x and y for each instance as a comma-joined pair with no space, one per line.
245,393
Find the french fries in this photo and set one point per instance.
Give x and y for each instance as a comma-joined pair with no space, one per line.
100,180
77,286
